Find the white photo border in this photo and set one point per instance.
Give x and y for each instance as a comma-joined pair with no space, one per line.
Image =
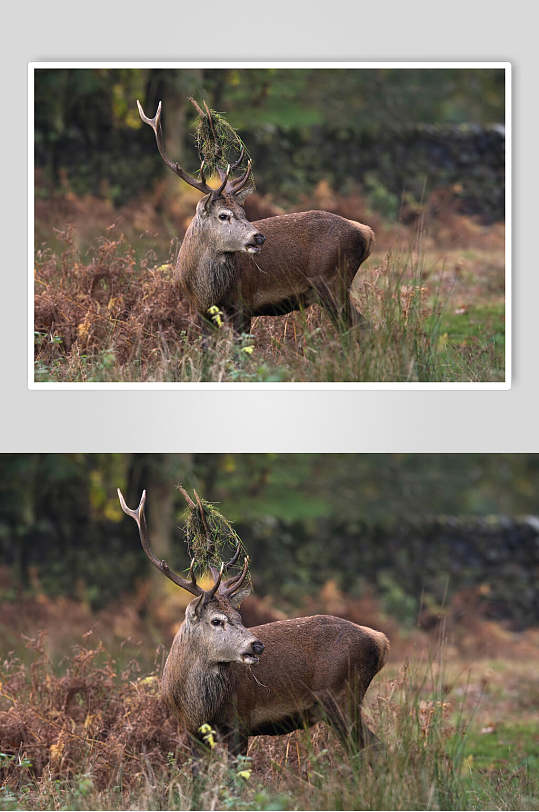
372,386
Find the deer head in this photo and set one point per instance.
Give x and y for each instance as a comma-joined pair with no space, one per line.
212,622
220,213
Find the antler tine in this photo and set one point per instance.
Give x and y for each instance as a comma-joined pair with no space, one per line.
234,557
237,162
239,183
139,516
224,180
196,105
215,572
225,176
217,583
234,584
203,517
186,496
212,128
155,124
228,564
135,514
202,172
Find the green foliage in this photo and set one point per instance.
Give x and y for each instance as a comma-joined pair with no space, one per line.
501,744
380,198
300,125
395,600
218,143
210,537
301,517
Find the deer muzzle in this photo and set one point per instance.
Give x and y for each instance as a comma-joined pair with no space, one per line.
252,656
255,244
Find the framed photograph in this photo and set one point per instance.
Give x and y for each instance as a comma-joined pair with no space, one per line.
280,631
270,225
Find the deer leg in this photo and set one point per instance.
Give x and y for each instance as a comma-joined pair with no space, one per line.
206,330
242,323
335,299
238,744
351,315
359,733
334,717
338,300
235,739
197,749
342,311
350,726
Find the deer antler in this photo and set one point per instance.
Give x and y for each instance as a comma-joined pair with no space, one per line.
139,516
233,584
234,185
229,587
155,124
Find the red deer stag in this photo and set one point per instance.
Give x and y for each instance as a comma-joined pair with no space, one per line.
268,267
307,669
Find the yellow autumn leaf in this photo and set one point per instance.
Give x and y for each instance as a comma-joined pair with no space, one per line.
55,751
147,680
208,735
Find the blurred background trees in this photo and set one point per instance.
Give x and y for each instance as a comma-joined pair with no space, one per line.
371,523
395,132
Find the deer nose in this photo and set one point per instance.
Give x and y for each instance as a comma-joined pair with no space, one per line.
259,239
258,647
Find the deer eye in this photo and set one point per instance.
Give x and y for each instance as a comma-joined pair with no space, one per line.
216,621
223,216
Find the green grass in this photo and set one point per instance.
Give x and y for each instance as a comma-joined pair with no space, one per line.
502,762
474,340
504,746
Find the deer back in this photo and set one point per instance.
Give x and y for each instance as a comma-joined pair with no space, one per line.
305,658
303,251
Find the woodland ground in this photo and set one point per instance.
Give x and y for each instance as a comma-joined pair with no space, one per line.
82,725
433,292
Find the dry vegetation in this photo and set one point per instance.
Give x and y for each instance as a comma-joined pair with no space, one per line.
106,309
87,729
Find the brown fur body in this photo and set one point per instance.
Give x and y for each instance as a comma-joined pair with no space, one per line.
312,668
307,257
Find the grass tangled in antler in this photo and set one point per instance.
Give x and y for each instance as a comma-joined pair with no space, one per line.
209,536
218,143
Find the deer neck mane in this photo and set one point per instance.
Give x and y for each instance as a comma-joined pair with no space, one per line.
206,274
197,689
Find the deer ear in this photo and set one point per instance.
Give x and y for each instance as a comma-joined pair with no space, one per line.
192,610
203,205
241,196
240,596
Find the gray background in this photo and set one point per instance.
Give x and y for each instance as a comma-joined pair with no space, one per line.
293,420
